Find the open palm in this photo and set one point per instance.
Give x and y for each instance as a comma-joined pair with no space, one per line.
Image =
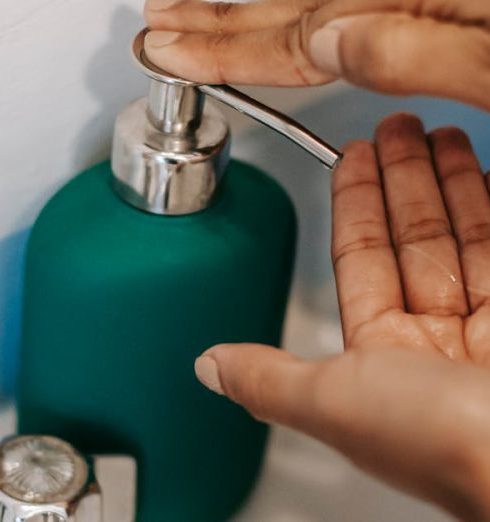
412,242
409,401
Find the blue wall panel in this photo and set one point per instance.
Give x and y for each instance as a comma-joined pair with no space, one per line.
11,268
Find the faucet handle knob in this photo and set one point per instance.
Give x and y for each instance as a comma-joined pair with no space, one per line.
45,479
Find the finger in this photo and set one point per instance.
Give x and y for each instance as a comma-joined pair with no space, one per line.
468,204
380,51
404,54
413,431
426,249
468,12
365,265
204,16
223,17
268,57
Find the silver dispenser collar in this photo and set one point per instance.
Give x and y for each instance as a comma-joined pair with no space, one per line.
171,149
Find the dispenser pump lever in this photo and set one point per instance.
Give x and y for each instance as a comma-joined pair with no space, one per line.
178,89
281,123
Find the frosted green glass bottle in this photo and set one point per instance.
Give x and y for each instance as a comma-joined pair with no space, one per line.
132,270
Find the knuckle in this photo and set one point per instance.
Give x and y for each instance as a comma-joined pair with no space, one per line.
288,43
380,62
359,156
292,42
218,45
422,230
223,12
300,7
257,402
377,66
342,249
302,57
475,233
480,46
253,391
354,169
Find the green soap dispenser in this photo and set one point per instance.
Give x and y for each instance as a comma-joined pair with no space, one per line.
132,270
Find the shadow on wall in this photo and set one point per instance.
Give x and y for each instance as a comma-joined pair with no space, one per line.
344,115
11,268
114,82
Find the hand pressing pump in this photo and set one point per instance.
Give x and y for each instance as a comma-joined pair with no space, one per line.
171,150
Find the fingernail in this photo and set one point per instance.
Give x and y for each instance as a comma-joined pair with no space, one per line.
160,5
325,45
161,38
207,372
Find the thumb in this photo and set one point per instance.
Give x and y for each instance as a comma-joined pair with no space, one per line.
403,54
416,420
327,399
269,383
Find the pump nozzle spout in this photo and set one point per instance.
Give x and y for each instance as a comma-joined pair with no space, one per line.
281,123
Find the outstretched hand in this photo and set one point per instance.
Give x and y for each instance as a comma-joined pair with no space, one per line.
410,399
397,46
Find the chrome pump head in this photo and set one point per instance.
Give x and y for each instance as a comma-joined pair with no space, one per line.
171,149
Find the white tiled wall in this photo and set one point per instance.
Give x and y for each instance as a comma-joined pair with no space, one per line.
64,75
65,72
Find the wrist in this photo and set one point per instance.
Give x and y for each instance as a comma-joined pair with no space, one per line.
469,469
476,489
